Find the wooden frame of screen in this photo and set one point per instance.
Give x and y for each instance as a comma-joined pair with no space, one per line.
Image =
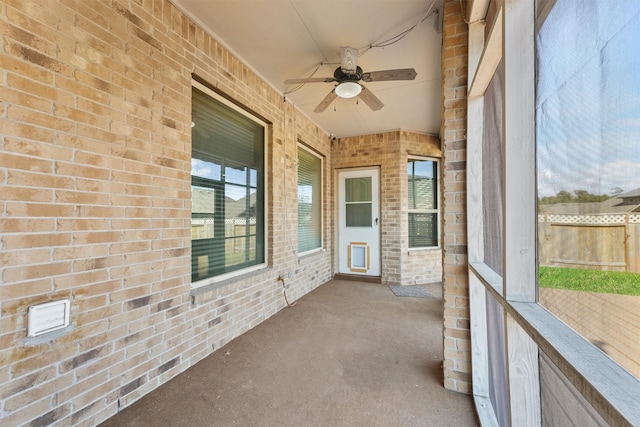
529,327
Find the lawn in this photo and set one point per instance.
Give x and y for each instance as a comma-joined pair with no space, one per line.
609,282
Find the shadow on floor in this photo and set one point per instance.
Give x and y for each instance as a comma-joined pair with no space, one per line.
347,354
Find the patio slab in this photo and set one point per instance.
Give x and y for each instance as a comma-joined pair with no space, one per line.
347,354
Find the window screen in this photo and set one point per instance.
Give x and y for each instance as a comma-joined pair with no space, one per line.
588,163
492,176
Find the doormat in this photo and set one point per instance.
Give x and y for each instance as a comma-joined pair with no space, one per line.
413,291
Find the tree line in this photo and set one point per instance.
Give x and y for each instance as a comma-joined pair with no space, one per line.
577,196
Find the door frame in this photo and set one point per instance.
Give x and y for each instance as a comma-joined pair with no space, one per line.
374,255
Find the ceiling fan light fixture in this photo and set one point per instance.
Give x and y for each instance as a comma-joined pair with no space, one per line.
348,89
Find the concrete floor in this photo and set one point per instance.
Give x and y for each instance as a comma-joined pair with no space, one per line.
347,354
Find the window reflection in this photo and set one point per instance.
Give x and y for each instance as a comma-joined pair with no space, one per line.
227,184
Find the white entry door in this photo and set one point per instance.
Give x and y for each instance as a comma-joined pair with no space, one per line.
359,222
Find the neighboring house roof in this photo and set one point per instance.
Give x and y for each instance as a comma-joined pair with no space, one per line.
238,208
616,204
628,194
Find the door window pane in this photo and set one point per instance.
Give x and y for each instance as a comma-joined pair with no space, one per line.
358,197
358,189
358,215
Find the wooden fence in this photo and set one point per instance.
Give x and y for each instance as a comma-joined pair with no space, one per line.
603,242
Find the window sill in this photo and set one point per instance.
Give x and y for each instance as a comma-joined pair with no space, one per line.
311,253
207,293
415,251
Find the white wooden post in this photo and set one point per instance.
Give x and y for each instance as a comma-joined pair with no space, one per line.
519,272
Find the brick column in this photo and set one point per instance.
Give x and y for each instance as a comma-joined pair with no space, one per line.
457,353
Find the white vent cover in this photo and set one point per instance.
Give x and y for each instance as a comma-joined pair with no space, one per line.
48,317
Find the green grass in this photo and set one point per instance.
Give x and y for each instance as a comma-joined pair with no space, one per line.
609,282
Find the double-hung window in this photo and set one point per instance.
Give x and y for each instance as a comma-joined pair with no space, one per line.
227,185
309,201
422,179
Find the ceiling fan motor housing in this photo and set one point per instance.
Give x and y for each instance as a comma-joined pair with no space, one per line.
348,59
341,76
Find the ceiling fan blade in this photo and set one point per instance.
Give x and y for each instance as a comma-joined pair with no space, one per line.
370,99
310,80
386,75
326,102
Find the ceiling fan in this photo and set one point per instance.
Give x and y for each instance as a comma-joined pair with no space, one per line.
348,75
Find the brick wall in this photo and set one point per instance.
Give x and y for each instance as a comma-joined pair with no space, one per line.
390,151
95,149
457,354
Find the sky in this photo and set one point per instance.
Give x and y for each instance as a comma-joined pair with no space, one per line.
588,97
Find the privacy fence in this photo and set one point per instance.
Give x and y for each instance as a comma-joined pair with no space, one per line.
602,242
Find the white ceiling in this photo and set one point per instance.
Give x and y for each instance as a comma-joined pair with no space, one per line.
284,39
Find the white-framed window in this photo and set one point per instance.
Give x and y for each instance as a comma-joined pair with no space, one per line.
422,200
309,200
227,187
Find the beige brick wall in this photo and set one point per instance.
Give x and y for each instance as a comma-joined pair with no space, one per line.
457,354
95,152
390,151
95,171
